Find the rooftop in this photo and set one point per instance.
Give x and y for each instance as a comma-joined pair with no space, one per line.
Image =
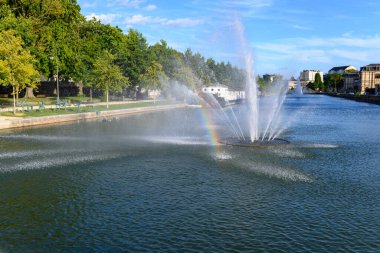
339,68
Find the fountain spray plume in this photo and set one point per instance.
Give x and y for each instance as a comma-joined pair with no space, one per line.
277,95
211,102
176,90
299,91
268,117
275,129
251,86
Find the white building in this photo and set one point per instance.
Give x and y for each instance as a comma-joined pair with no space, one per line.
308,76
153,94
370,78
221,91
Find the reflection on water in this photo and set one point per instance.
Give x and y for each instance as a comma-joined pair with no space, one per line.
156,182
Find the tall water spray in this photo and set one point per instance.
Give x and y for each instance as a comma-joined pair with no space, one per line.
264,117
299,88
251,86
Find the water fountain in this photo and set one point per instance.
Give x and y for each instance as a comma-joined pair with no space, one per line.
263,113
299,91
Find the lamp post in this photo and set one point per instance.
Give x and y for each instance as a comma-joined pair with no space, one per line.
52,58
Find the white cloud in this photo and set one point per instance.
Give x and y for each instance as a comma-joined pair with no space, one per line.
350,55
136,4
179,22
248,4
183,22
326,52
224,8
138,19
346,41
347,34
150,7
105,18
88,5
126,3
299,27
372,42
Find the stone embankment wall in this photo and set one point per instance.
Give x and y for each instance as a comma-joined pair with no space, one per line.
366,99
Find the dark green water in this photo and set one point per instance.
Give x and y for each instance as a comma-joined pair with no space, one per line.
153,183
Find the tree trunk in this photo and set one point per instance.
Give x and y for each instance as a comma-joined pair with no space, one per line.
91,94
29,93
17,91
80,87
107,97
14,101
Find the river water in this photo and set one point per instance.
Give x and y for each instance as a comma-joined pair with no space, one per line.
153,183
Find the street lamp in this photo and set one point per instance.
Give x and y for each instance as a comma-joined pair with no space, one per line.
52,58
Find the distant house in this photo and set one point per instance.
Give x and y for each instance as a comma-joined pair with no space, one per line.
271,78
153,94
268,78
370,78
342,70
217,89
222,93
292,82
351,82
308,76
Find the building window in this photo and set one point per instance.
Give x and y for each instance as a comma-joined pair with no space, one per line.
377,76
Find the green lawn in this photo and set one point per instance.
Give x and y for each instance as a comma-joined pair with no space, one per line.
81,109
47,100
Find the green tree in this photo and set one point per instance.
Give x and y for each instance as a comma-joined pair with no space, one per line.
134,58
328,82
198,65
337,79
107,75
16,65
261,83
168,57
318,84
151,78
45,26
95,37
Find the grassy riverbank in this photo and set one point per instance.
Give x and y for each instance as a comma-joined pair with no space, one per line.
73,109
8,102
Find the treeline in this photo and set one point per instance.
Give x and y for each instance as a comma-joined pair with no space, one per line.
332,82
53,35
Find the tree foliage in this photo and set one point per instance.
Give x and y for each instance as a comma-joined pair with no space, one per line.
57,28
107,75
318,84
134,57
16,65
167,57
261,83
334,81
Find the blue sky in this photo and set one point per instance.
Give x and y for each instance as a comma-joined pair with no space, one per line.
285,36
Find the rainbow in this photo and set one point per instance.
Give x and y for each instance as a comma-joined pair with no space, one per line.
207,121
